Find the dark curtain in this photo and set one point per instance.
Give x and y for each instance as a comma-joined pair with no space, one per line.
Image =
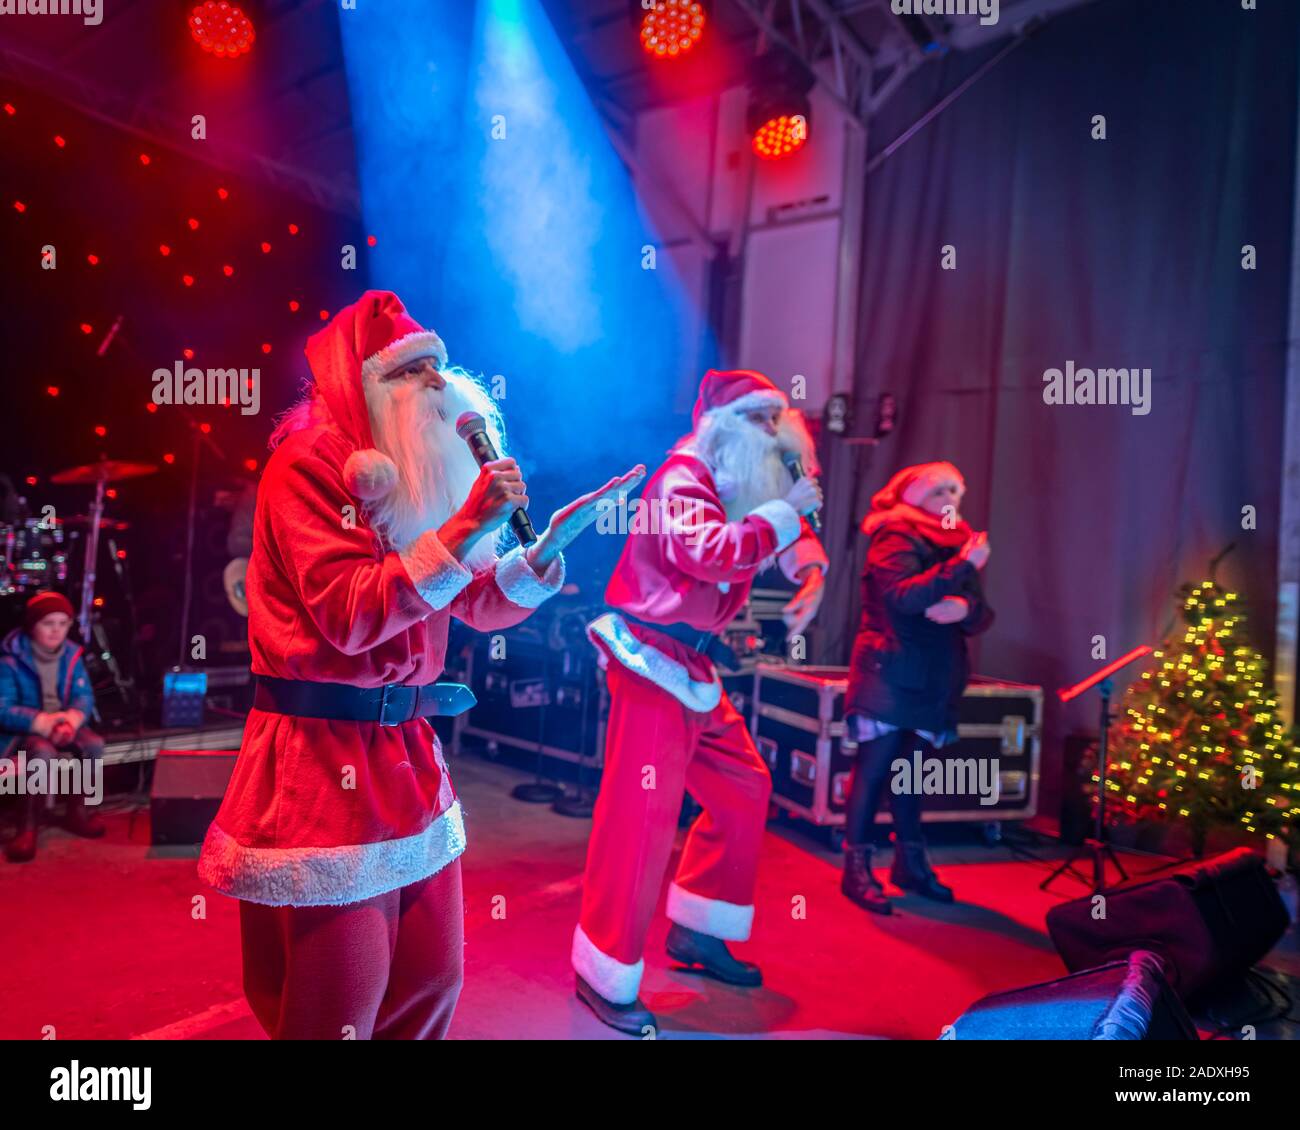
1119,253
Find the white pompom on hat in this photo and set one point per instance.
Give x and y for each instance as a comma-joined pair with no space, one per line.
363,341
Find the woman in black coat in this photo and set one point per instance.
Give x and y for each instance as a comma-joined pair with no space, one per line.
921,598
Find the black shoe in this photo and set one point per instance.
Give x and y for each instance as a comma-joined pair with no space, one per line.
632,1018
82,822
912,872
22,848
706,954
859,885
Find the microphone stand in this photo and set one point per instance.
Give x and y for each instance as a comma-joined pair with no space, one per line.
187,591
1097,847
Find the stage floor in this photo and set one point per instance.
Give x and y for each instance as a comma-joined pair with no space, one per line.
101,940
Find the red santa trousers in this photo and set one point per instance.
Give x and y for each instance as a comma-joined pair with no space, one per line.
388,968
712,756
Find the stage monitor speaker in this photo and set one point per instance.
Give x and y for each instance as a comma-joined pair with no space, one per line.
188,785
1209,921
1121,1000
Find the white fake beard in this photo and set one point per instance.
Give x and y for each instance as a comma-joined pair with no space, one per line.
416,428
746,461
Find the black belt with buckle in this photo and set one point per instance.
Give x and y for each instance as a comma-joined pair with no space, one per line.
708,644
390,705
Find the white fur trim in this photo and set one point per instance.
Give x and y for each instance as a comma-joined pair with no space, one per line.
329,876
520,582
422,343
437,575
759,398
718,919
804,552
614,980
369,474
650,663
782,517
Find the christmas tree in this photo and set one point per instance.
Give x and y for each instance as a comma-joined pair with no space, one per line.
1198,737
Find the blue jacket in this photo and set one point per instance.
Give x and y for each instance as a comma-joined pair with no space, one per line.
20,686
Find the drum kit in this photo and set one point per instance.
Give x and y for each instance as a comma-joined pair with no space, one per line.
40,553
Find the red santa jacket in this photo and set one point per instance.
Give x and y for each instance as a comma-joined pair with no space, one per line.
322,812
684,563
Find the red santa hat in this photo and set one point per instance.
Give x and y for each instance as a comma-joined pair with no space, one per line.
736,390
365,340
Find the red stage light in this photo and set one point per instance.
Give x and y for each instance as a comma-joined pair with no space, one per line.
370,239
293,229
194,224
20,206
227,270
111,492
324,315
222,193
188,354
780,136
164,249
101,431
266,347
53,390
266,248
250,464
188,280
9,109
145,158
151,407
671,27
121,554
222,29
32,480
293,305
205,428
169,458
87,328
93,260
99,602
59,141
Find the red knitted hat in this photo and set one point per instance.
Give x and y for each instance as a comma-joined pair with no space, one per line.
363,341
737,390
45,604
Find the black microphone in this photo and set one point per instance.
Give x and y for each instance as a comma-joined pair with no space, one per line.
795,467
472,428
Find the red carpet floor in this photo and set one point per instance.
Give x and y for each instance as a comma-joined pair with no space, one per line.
107,939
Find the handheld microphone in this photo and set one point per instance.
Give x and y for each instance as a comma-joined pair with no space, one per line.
472,428
795,467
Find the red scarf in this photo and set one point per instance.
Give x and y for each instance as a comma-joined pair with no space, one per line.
929,526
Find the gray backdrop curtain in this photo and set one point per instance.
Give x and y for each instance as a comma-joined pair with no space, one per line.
1118,253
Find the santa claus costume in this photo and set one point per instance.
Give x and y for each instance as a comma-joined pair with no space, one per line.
340,831
715,513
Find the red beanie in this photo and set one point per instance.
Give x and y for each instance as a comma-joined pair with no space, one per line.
45,604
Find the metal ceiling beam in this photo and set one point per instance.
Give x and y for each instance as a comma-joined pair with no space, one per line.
851,87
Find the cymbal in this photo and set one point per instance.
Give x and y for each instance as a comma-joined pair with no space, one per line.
110,470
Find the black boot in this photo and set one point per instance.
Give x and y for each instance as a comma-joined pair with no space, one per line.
706,954
632,1018
22,848
912,872
81,821
859,885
